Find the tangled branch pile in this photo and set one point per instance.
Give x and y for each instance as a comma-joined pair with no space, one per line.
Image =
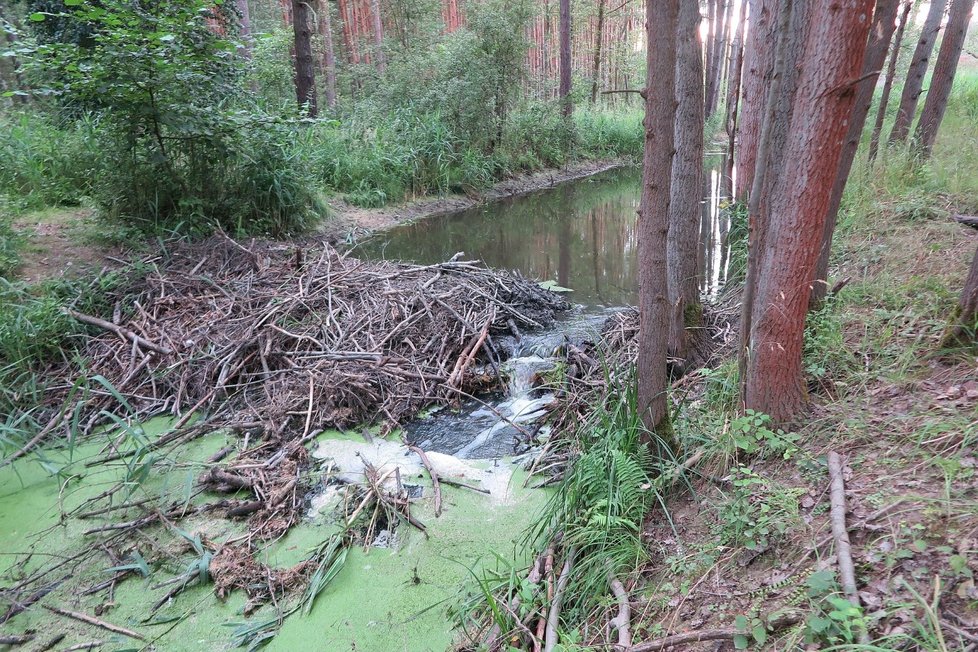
288,339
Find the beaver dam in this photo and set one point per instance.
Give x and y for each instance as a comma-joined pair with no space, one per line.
246,426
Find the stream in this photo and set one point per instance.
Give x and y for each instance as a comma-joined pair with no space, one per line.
579,236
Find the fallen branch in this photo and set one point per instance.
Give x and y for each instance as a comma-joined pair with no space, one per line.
622,621
710,635
843,551
436,487
91,620
462,485
124,333
16,640
967,220
553,616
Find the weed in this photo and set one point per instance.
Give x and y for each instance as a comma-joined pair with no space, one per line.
752,436
757,512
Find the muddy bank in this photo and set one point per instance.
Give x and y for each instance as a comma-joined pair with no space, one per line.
351,222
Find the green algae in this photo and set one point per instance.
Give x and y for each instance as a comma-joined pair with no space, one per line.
382,599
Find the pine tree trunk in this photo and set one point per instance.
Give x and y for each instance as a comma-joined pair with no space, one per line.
874,140
712,23
653,219
329,53
244,28
378,30
596,68
834,50
687,179
915,74
963,329
565,58
759,53
305,76
943,78
880,34
720,57
733,99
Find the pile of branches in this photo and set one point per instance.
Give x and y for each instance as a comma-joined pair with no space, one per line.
290,339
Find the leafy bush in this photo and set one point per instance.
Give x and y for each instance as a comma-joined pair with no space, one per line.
757,512
175,153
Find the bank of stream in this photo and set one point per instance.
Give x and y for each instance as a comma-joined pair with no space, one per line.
399,587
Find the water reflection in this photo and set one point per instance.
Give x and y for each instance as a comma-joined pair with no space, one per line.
580,235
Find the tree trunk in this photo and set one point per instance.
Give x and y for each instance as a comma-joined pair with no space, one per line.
963,330
596,68
943,78
874,140
824,99
720,57
244,28
759,53
712,24
565,58
918,69
378,29
685,185
305,76
733,98
653,219
757,224
329,53
880,34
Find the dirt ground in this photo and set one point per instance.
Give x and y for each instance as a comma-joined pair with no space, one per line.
56,245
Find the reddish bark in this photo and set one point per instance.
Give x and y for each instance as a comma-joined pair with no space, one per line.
596,68
943,78
305,76
874,140
565,57
880,34
915,74
715,78
758,61
824,99
653,220
685,185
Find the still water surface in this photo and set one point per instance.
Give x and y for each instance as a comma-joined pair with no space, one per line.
581,235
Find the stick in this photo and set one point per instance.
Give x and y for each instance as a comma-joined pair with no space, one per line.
124,333
553,616
462,485
51,643
85,618
624,617
85,646
843,551
16,640
436,487
708,635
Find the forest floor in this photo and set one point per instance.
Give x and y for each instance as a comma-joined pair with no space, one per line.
754,542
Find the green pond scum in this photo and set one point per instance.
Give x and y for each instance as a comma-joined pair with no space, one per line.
381,600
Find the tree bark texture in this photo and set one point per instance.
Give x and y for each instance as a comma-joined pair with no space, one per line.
653,221
834,50
943,78
964,326
686,182
880,34
329,52
305,76
565,57
378,29
874,139
759,52
915,74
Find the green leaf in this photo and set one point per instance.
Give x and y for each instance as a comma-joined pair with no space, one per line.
741,642
37,17
759,633
72,3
